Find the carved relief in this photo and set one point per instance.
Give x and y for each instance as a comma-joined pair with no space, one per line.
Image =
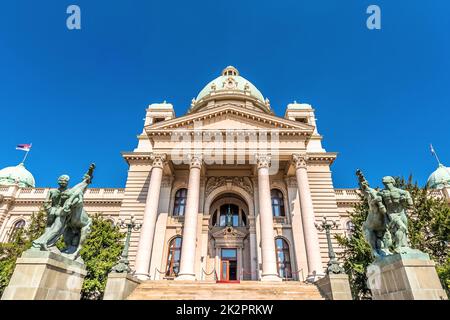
241,182
158,159
214,183
244,183
300,160
230,84
262,160
196,161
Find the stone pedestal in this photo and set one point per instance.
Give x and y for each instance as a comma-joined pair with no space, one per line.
43,275
119,286
410,276
335,287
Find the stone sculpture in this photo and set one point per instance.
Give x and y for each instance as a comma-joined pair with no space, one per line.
66,217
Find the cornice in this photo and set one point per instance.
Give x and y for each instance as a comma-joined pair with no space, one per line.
278,123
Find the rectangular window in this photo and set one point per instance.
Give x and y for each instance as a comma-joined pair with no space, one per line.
302,120
229,253
155,120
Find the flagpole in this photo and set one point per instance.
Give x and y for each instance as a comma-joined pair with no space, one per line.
435,154
26,154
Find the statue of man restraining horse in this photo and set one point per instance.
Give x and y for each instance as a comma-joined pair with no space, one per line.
66,217
386,225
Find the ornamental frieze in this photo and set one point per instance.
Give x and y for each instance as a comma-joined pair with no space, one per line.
240,182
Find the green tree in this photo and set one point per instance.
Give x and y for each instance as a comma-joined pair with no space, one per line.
100,253
428,226
20,241
357,253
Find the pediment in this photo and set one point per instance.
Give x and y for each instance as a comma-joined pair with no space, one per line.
229,117
228,233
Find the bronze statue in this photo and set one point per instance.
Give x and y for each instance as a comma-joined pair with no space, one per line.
66,217
385,228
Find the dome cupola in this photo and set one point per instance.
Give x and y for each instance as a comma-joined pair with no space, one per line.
230,85
17,175
440,178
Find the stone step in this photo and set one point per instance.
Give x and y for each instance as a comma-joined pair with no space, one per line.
209,290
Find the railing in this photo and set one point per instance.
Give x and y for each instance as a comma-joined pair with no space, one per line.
213,271
348,194
160,272
353,194
298,272
39,193
243,272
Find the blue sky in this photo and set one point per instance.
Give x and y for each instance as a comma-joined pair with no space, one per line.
79,96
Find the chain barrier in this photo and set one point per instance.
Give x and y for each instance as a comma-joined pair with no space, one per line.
213,271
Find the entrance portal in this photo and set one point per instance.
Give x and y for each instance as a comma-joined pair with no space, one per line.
229,265
229,252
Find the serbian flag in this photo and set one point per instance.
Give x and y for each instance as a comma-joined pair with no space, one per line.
24,147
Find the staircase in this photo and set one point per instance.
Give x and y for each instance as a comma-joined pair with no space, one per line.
208,290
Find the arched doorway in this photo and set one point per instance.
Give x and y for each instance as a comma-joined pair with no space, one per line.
229,249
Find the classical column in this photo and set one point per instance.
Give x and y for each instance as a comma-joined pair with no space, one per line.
269,263
315,269
188,247
144,250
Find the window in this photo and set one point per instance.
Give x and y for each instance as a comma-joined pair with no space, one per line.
229,211
229,254
19,225
173,258
302,120
180,203
155,120
244,218
283,259
277,203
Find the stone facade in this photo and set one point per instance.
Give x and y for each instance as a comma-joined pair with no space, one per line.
272,199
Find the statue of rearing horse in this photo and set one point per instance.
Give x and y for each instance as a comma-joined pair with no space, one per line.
375,227
66,217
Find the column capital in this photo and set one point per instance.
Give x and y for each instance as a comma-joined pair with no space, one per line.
300,160
195,161
158,159
262,160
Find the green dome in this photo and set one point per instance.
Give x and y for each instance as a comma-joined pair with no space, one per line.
230,80
17,175
439,178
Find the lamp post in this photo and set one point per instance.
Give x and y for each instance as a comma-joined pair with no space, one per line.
124,265
333,264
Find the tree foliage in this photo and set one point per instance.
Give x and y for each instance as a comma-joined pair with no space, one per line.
100,252
20,241
357,253
428,227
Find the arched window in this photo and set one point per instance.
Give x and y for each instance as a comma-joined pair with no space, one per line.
180,202
173,258
229,211
15,229
283,259
277,203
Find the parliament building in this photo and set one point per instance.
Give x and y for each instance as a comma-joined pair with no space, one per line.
228,191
